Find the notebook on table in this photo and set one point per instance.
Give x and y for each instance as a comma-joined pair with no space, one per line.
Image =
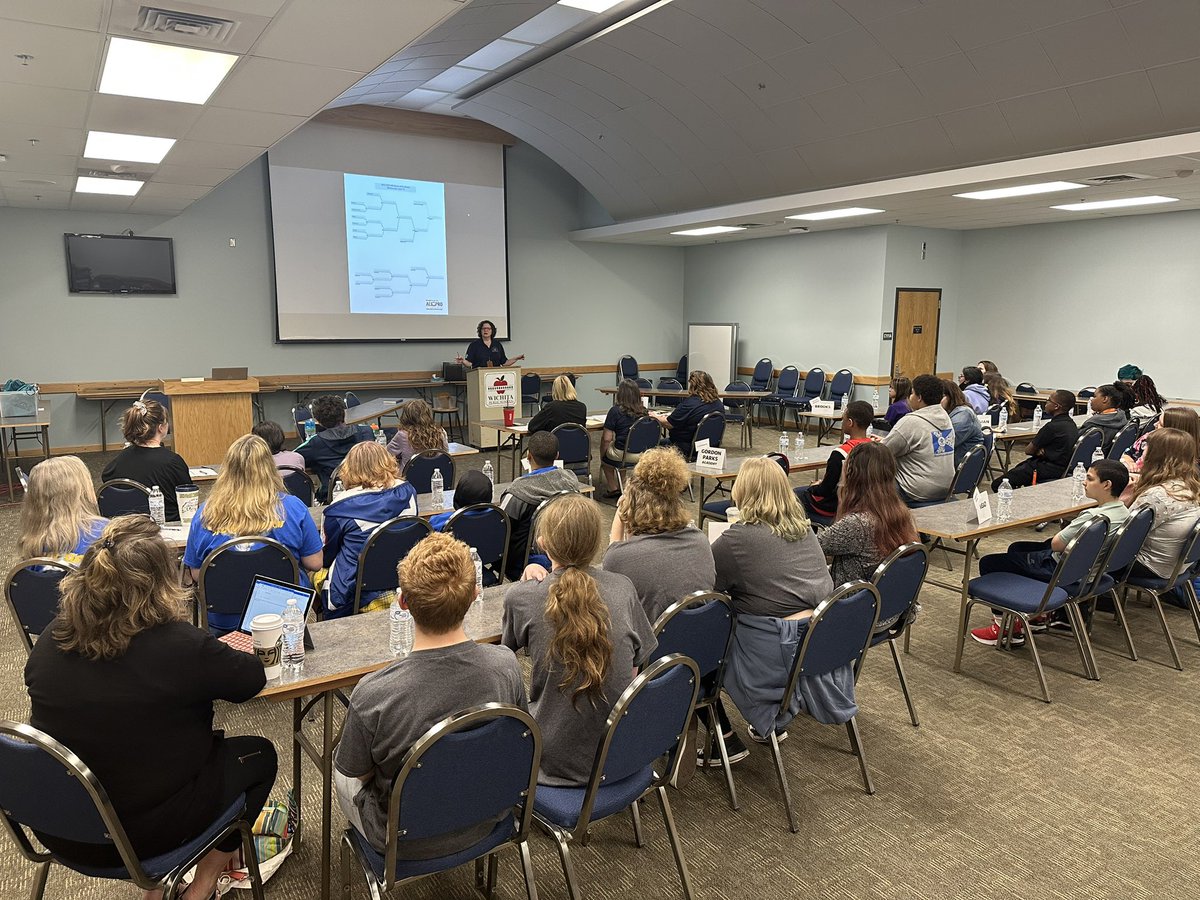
268,596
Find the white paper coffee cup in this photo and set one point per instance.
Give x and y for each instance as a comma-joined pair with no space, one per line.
267,631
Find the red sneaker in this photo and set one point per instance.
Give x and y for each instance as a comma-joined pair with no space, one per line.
990,634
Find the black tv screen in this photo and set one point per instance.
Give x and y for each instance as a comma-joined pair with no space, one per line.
119,264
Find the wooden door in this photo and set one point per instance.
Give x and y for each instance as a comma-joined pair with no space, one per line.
914,344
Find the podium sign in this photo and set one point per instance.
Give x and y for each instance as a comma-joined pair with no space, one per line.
499,388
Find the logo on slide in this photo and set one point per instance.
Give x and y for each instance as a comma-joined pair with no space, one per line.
943,441
434,304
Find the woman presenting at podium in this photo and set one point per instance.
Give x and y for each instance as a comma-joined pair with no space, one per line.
487,352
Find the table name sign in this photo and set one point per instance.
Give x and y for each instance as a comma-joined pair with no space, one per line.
982,508
710,457
822,406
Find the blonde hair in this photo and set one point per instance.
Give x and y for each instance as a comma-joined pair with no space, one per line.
126,584
763,496
563,389
569,532
651,503
437,582
368,465
59,507
247,495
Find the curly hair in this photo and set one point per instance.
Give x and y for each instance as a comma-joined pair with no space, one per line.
651,503
329,411
701,384
416,420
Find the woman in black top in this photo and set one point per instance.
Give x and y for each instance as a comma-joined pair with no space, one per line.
563,408
146,460
627,409
119,672
487,352
701,400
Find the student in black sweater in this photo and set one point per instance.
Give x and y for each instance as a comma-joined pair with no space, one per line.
146,460
702,399
564,408
1051,448
820,499
125,682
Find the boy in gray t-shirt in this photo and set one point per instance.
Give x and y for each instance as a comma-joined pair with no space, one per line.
445,674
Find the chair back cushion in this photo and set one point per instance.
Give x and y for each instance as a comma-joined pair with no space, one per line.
763,370
117,498
697,627
628,367
843,382
1080,555
419,470
229,571
387,545
39,791
33,591
1123,441
789,377
1129,539
643,434
1087,444
712,426
970,470
483,526
297,483
814,383
898,580
649,719
838,632
574,444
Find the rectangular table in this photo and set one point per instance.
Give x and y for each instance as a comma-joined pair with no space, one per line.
951,522
827,420
345,650
511,435
426,509
809,460
10,425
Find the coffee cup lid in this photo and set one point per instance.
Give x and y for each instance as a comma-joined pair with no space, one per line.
266,621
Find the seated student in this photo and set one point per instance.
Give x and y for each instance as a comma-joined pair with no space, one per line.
472,487
273,435
564,408
987,367
1183,418
1110,407
446,673
145,460
1148,403
702,399
521,499
374,493
1129,374
1106,479
627,408
771,566
248,498
328,447
923,444
59,517
871,519
1170,486
967,432
820,499
898,393
1051,447
651,542
971,382
120,671
417,433
586,634
1000,396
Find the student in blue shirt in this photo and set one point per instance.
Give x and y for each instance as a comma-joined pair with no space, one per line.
248,498
59,517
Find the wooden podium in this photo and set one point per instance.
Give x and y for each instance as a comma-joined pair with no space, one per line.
488,392
207,416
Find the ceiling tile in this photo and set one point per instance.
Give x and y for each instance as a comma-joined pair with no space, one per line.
498,53
856,55
950,83
807,69
866,11
27,104
1162,31
813,20
547,24
1040,14
155,190
1175,88
676,25
22,159
841,109
202,153
973,23
36,182
979,133
1118,108
892,98
62,57
1045,121
1014,67
913,36
55,141
455,78
85,14
248,129
271,85
158,206
100,202
1089,48
749,25
765,86
195,175
135,115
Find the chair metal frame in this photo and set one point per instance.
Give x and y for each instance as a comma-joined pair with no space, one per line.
476,717
1011,616
447,480
1122,441
658,784
1082,451
381,532
846,591
500,566
668,383
351,400
1185,567
231,546
78,770
572,428
680,608
314,484
890,631
124,484
531,397
37,562
624,464
739,410
622,372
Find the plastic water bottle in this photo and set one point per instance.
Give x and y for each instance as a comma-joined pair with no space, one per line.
338,490
158,507
1037,417
475,558
489,471
800,444
293,638
1002,425
400,632
380,437
1004,502
1097,454
435,488
1078,480
783,443
310,428
875,399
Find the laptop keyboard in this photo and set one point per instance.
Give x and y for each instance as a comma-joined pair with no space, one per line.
238,640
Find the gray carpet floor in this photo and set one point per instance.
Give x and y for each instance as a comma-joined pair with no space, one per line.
995,795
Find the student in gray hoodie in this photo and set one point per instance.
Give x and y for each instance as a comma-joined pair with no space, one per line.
923,444
522,497
1110,407
325,450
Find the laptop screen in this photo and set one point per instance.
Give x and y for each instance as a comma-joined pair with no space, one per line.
270,596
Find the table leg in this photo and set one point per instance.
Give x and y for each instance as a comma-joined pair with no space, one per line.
104,408
298,761
326,794
962,602
45,442
7,467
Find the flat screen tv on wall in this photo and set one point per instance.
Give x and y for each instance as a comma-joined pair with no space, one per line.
119,264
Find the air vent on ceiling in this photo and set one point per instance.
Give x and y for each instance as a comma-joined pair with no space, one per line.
1117,179
751,224
173,23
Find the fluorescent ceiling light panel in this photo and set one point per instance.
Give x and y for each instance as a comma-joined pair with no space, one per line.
1116,204
454,78
711,229
163,71
594,6
122,186
837,213
548,24
496,54
1021,190
128,147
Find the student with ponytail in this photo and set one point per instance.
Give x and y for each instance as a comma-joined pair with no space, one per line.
586,633
145,459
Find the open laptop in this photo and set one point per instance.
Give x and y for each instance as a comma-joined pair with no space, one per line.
268,596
